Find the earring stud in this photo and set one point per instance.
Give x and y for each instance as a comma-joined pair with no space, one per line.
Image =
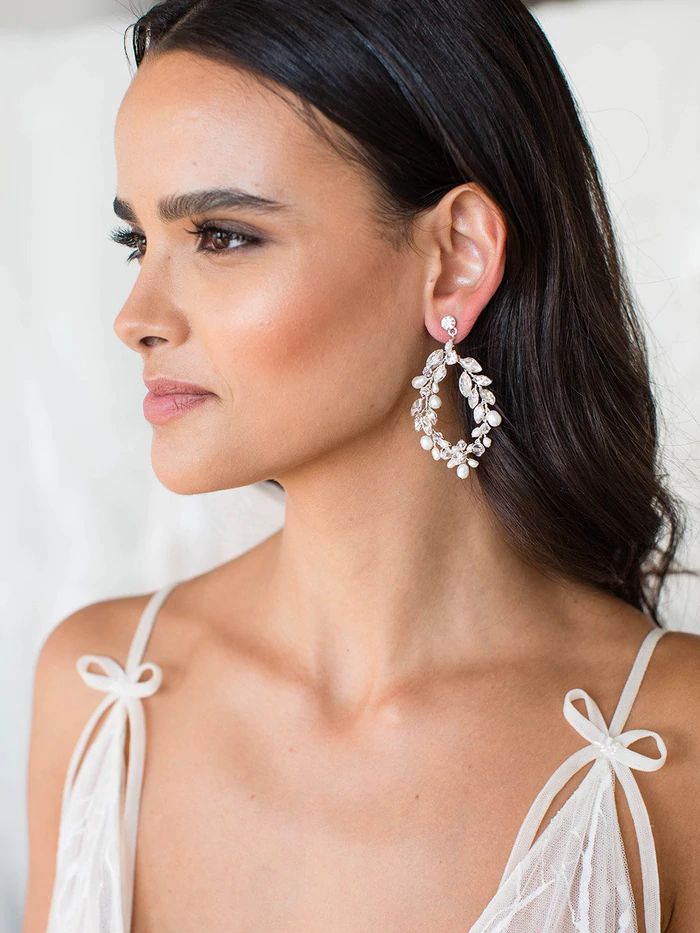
472,385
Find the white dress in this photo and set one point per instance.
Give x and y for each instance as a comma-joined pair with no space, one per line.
574,879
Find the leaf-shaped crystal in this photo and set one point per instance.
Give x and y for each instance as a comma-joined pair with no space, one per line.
465,383
473,397
416,406
488,396
479,413
470,364
440,373
482,380
435,357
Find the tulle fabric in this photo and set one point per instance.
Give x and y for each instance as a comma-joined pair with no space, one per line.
573,878
88,893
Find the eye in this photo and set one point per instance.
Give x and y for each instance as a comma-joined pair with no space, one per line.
222,238
206,232
126,237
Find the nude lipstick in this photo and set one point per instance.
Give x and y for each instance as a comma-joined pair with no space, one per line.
169,398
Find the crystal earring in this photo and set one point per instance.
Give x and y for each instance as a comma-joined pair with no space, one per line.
472,385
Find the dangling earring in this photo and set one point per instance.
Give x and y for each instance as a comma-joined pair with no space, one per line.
472,385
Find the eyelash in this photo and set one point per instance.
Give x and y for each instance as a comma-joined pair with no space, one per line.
127,237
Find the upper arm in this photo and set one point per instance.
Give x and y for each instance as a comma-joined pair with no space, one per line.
61,705
682,834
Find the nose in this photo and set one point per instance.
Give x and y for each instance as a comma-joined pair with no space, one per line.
148,317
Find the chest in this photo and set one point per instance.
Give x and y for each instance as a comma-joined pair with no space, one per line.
253,824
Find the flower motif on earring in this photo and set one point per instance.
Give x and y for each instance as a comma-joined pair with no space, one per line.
472,385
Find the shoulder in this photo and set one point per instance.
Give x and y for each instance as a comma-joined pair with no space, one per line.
61,705
104,628
672,708
673,689
673,701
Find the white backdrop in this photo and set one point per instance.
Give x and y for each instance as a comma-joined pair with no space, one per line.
83,516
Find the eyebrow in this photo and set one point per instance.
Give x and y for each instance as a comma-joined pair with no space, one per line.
178,206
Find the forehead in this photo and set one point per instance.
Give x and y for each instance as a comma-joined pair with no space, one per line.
185,120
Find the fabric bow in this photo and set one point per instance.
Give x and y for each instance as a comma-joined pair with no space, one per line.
595,730
116,680
124,691
620,758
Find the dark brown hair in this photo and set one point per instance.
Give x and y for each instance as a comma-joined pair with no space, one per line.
427,96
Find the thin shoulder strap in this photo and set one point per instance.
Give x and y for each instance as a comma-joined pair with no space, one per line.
634,679
604,742
145,625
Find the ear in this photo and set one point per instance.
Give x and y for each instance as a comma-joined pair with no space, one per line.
465,241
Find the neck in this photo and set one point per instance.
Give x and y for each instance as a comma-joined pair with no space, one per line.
380,576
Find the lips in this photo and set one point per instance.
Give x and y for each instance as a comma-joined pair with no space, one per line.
162,386
170,398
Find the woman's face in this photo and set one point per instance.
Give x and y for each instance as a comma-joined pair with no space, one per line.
309,334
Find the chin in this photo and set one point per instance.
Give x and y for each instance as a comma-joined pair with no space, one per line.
197,478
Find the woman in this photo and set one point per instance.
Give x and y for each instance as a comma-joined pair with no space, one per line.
374,246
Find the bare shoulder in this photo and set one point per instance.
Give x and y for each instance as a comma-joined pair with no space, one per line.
680,649
61,705
673,689
674,668
672,708
104,627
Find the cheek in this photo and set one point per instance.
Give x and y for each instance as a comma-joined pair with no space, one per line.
310,350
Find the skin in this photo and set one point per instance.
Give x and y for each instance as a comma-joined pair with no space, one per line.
357,713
